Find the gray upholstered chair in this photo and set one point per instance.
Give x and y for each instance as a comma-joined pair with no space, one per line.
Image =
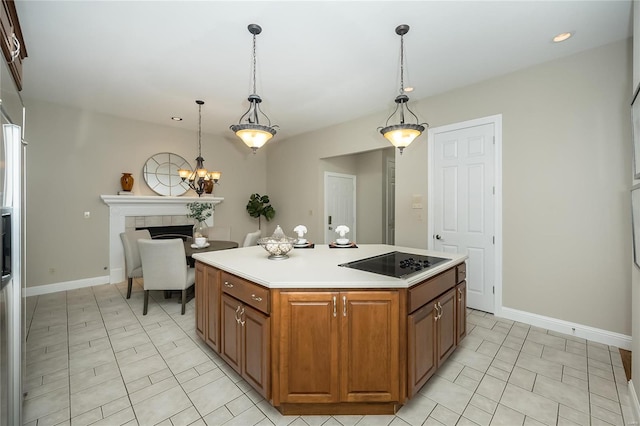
133,265
251,239
222,233
164,265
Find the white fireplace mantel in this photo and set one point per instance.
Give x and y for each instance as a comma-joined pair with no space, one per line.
121,206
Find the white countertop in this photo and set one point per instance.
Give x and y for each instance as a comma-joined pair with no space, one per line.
318,267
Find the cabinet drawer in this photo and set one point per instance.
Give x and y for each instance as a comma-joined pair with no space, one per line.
461,273
430,289
246,291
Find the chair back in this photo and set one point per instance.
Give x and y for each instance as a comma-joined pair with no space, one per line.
221,233
252,238
131,251
164,264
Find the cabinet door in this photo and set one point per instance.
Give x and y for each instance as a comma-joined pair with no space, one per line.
446,323
255,350
200,300
212,304
421,344
230,339
308,347
461,314
369,346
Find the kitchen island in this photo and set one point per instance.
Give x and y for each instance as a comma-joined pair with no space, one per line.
313,337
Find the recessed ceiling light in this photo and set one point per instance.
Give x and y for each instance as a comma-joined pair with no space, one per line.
408,89
562,37
176,118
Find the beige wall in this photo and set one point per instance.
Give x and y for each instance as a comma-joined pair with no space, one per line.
566,132
75,156
635,273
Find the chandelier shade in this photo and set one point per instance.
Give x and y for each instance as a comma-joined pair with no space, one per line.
402,134
249,129
198,178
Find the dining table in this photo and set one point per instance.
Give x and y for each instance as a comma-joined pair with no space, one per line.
212,245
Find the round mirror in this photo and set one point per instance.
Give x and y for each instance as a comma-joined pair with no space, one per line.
161,174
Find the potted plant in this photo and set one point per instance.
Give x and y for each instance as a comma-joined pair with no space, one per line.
200,212
258,205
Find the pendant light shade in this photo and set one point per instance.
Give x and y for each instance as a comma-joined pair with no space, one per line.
402,134
249,129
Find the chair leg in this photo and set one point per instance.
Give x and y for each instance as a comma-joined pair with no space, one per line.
146,302
184,299
129,288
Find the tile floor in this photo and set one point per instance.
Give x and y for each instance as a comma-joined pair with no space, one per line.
93,359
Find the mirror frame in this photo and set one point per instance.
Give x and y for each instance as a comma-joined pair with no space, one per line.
160,172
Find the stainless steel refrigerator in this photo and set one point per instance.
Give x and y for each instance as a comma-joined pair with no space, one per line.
12,273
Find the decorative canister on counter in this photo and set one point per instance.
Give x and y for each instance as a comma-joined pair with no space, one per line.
126,181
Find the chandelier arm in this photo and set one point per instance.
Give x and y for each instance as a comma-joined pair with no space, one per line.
412,113
258,109
392,114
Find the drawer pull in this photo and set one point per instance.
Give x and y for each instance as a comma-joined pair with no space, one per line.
440,306
344,306
435,308
334,307
228,284
241,321
237,317
256,298
459,295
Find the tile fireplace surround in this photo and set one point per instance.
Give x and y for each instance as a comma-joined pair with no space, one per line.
158,210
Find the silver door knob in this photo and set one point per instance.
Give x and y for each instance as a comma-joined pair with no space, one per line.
330,228
438,237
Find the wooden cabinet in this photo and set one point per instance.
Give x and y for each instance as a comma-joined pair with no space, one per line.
434,328
245,333
339,347
207,300
461,316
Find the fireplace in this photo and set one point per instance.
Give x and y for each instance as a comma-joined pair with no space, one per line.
166,232
128,212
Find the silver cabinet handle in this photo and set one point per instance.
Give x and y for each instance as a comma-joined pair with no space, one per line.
241,321
459,295
237,317
344,306
256,298
334,307
228,284
440,306
435,308
15,53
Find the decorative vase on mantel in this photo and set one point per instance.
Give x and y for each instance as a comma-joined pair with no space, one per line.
126,181
200,229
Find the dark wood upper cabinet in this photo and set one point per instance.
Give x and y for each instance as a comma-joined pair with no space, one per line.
13,47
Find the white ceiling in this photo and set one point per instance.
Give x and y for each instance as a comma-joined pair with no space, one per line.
319,62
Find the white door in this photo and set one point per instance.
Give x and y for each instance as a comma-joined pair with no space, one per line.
339,205
463,205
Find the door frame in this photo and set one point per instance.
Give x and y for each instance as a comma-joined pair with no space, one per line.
496,120
352,232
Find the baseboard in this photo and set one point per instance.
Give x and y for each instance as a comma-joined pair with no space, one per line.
67,285
635,404
583,331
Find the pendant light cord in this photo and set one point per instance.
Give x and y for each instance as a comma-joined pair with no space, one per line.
199,130
401,64
254,64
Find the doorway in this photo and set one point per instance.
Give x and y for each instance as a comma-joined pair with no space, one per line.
339,205
465,200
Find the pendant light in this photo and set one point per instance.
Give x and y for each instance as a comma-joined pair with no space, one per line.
402,134
199,178
249,129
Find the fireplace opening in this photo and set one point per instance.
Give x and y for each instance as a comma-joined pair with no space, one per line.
184,232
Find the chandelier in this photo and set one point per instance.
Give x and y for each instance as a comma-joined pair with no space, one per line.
199,178
249,129
402,134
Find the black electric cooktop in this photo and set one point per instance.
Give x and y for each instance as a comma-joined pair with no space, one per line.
396,264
